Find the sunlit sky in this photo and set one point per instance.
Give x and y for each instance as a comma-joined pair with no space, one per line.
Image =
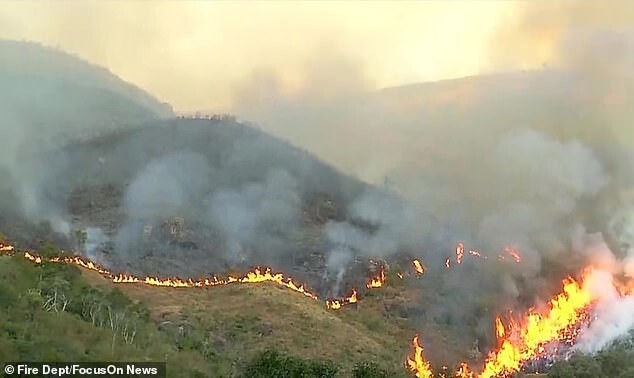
192,54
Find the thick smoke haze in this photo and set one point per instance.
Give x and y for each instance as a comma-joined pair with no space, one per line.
537,160
36,120
257,215
612,314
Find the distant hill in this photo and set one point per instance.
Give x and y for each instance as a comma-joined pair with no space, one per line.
207,194
35,60
49,97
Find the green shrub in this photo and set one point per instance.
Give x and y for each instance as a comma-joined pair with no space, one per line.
271,363
369,370
615,361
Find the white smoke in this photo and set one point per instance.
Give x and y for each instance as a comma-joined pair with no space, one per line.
613,314
95,239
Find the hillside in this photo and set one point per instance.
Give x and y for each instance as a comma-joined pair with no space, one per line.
29,59
100,169
108,185
59,312
204,330
49,97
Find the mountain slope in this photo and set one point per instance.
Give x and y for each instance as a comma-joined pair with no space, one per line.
172,197
49,97
34,60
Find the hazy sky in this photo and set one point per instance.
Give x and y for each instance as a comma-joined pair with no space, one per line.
201,54
193,54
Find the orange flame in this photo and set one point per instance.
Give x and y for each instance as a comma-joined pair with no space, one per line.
417,363
336,304
258,275
459,253
377,281
624,287
514,253
566,310
499,328
476,253
418,267
33,258
463,371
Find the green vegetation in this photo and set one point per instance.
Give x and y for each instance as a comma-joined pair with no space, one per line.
617,361
271,363
57,312
49,313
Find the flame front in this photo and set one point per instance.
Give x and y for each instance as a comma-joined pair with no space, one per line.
524,341
377,281
463,371
514,253
417,363
459,253
518,340
499,328
336,304
258,275
418,267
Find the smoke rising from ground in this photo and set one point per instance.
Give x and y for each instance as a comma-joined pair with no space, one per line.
536,160
257,216
612,313
36,121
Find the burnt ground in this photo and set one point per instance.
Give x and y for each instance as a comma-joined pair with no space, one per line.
90,179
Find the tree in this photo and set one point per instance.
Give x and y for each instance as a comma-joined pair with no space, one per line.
8,297
33,302
369,370
56,293
271,363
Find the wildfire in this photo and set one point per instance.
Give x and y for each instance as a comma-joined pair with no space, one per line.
336,304
459,253
519,340
6,248
463,371
258,275
499,328
475,253
524,341
417,363
625,288
514,253
418,267
377,281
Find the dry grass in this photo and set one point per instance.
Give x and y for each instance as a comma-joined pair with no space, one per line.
252,317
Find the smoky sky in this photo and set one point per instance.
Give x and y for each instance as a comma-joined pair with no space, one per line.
536,159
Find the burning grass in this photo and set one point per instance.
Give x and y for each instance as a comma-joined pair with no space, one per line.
278,320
